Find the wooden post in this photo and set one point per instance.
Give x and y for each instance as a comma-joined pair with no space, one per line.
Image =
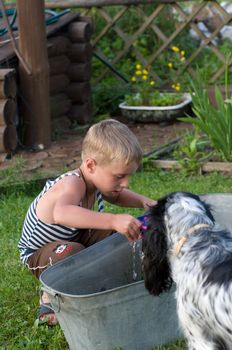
34,88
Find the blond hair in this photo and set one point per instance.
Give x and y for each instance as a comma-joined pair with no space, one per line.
110,140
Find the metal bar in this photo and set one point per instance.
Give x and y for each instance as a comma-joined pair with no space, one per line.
105,62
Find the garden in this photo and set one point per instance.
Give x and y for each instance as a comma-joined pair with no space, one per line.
20,290
161,83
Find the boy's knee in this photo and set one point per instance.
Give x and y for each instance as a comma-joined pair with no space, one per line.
50,254
63,250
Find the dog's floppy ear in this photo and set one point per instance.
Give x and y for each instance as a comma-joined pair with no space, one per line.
156,269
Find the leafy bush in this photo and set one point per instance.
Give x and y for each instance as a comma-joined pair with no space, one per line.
108,95
154,99
215,122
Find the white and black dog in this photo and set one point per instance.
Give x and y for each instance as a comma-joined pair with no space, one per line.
183,244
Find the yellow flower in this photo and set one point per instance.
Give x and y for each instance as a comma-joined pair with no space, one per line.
144,77
170,65
182,52
145,72
176,86
138,72
133,79
182,59
175,49
138,66
152,82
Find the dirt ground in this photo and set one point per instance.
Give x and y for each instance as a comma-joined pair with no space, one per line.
65,151
152,136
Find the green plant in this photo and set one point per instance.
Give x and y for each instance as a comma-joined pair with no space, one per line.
11,174
145,91
106,96
191,152
215,122
153,99
147,163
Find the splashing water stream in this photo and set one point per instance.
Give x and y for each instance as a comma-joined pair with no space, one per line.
136,260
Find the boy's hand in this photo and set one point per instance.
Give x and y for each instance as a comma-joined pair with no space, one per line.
127,225
147,203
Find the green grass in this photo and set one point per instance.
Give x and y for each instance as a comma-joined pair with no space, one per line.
19,289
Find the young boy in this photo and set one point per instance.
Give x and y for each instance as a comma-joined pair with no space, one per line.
61,221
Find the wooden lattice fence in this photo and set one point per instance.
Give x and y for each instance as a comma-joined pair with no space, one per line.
158,26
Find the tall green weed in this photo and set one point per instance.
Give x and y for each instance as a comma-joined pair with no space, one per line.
215,122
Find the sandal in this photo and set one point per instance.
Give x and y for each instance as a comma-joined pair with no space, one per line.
46,314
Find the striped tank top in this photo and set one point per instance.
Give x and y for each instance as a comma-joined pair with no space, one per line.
36,234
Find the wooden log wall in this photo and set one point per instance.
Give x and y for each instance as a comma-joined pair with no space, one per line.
8,116
69,61
59,62
79,72
69,55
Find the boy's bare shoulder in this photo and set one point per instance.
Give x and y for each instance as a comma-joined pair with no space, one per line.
68,184
72,181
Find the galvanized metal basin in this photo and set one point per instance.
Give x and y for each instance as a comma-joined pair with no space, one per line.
98,304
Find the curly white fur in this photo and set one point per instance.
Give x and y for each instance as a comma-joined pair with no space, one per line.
202,270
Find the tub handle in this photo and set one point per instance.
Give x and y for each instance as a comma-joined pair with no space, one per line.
56,296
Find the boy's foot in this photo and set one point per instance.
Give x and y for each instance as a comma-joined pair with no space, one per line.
45,312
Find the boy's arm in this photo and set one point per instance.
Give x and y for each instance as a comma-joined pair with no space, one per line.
130,199
74,216
67,212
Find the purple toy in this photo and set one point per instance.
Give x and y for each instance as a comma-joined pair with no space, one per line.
144,221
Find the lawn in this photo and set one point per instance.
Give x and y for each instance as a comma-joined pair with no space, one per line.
19,290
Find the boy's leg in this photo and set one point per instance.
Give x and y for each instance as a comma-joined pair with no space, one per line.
90,237
42,259
50,254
